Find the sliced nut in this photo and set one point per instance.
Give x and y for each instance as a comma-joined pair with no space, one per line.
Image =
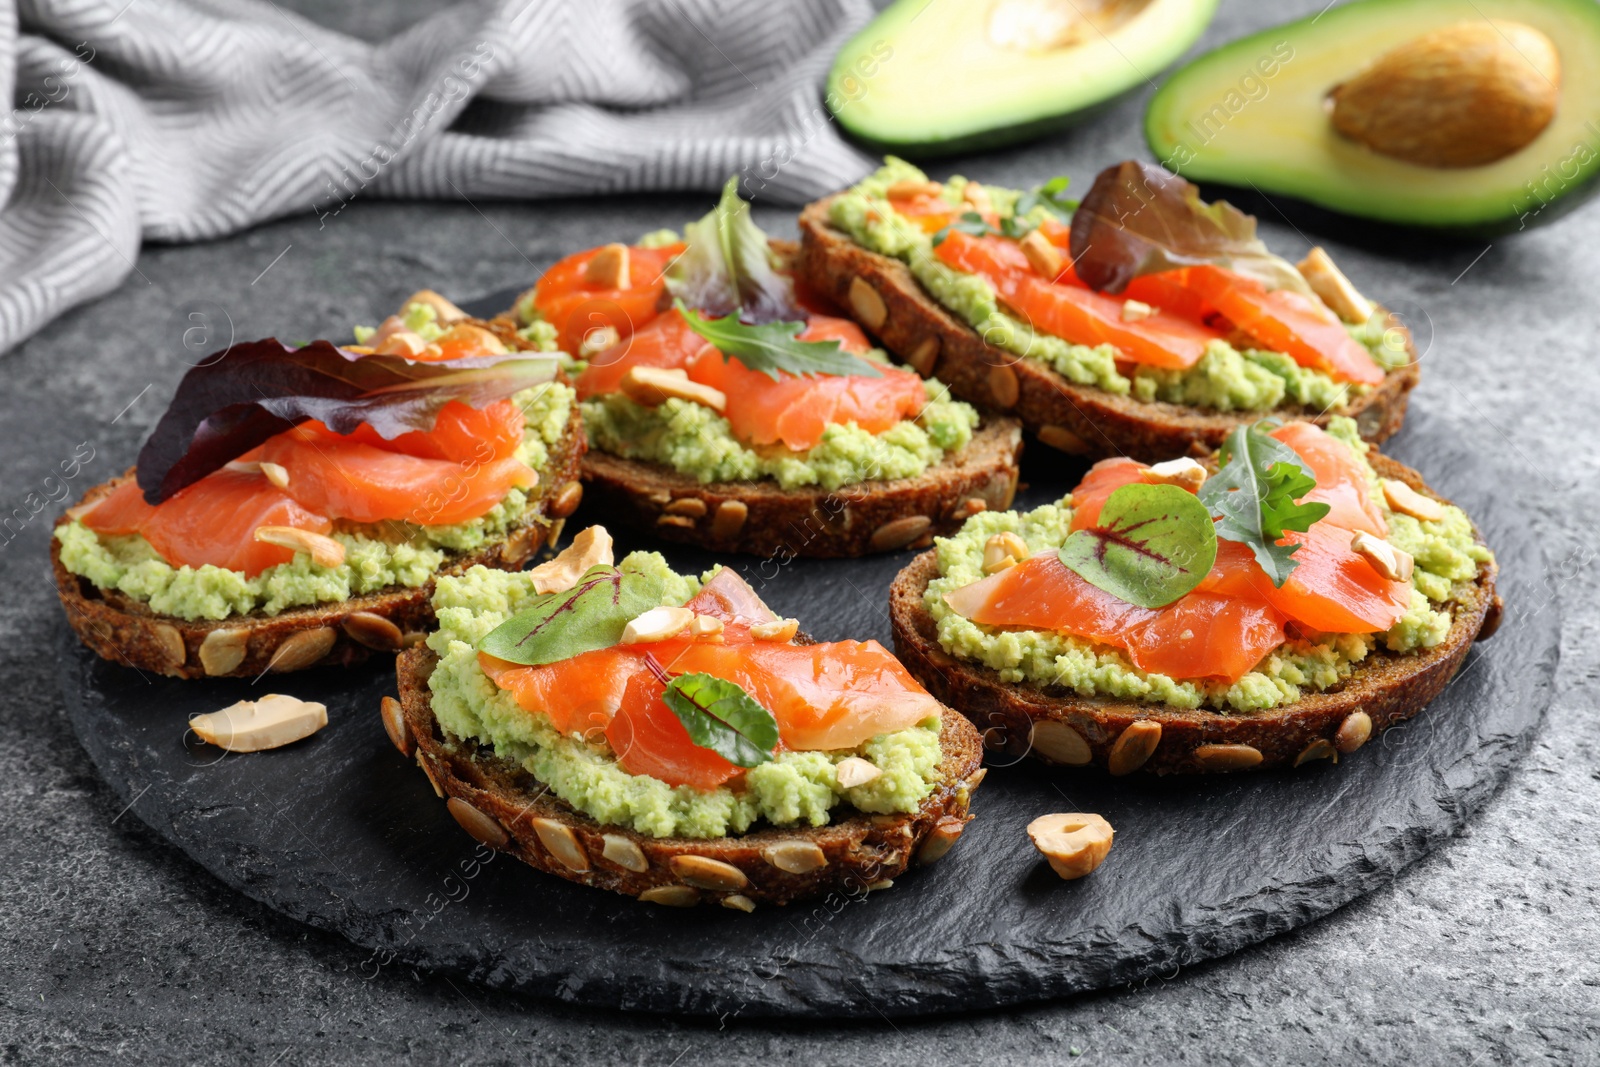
1227,757
795,857
1060,743
173,649
1044,257
941,839
691,506
1003,388
413,638
483,827
781,630
657,624
519,545
276,474
1063,439
402,343
673,896
705,626
972,506
1390,562
705,873
1492,618
608,268
1184,473
729,519
467,337
739,902
653,386
1335,290
1075,843
880,885
869,308
445,312
624,852
566,500
907,190
561,841
597,341
1321,748
898,533
1134,746
374,631
591,548
682,522
324,550
1353,732
924,356
303,649
255,725
659,496
394,724
978,197
427,769
1136,311
853,771
1407,501
223,650
1003,550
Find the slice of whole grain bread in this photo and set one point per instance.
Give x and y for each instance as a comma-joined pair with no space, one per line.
502,805
1058,726
889,302
125,630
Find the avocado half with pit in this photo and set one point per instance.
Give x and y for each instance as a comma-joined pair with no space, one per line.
935,77
1459,116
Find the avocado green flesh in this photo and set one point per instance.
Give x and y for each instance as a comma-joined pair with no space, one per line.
925,77
1253,114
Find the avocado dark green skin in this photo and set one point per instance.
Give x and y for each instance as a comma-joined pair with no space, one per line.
999,137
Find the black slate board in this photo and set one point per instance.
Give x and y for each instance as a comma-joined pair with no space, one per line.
341,832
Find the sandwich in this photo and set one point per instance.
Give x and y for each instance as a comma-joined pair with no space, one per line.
1281,602
1141,322
668,737
728,407
295,503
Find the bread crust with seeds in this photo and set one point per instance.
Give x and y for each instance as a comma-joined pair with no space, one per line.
507,808
1386,688
1078,419
762,518
125,630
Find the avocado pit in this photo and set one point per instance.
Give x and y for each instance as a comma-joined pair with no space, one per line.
1045,25
1465,95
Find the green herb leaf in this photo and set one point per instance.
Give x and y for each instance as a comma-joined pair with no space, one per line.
1048,195
1254,494
729,266
721,716
776,346
969,222
1154,544
590,615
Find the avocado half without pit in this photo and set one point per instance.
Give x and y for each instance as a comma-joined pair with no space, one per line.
1460,116
935,77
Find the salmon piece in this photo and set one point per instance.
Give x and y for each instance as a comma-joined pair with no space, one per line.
335,475
1341,478
1166,290
666,342
460,432
1206,635
1333,589
932,213
650,739
1042,593
575,307
1103,479
212,521
1071,311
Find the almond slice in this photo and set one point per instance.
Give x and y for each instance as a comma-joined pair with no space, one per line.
777,630
324,550
652,386
256,725
276,473
1136,311
1184,473
1392,563
1407,501
1335,290
853,771
1044,257
657,624
590,548
608,268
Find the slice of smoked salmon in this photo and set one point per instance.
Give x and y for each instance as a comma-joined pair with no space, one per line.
1341,478
348,479
1206,635
1042,593
1103,479
460,432
666,342
1334,590
212,521
649,739
575,306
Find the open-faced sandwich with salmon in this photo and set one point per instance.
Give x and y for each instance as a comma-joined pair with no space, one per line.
1141,322
1278,603
728,408
668,737
295,504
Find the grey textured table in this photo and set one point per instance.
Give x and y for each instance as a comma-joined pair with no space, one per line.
114,943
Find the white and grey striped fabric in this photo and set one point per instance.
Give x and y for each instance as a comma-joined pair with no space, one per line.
181,120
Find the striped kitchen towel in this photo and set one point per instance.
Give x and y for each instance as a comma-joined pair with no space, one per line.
182,120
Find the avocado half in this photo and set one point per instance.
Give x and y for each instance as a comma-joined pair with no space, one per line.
936,77
1256,114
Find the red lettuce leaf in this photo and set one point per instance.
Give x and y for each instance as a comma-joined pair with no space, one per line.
249,392
1140,218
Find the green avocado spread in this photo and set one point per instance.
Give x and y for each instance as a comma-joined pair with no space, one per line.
1225,378
376,556
793,789
1445,551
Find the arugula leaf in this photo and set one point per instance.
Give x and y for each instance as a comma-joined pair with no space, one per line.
1154,544
775,346
590,615
1049,196
728,265
1254,494
239,397
969,222
1140,219
721,716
